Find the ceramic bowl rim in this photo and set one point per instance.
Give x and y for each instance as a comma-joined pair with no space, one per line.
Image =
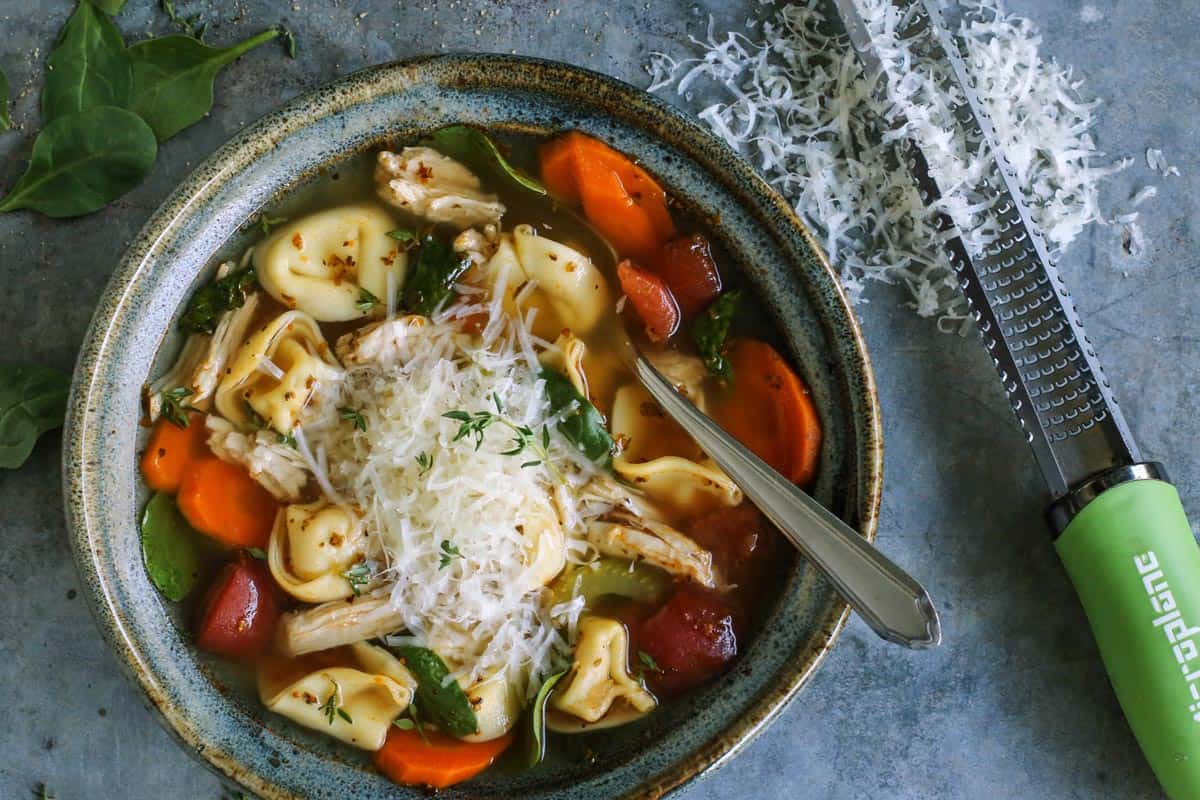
297,114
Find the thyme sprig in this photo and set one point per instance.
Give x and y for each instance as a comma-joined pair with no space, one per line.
174,409
332,707
524,440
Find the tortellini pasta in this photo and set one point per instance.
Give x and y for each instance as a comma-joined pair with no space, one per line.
354,699
575,288
497,704
276,372
312,546
322,263
545,543
566,357
660,459
599,683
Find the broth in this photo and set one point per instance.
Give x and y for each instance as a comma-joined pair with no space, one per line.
431,509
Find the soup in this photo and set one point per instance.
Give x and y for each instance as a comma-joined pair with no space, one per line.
446,523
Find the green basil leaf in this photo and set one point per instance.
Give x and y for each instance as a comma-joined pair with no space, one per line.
475,148
710,332
81,162
582,425
431,284
88,66
533,724
110,7
173,78
33,400
445,706
5,116
207,305
171,548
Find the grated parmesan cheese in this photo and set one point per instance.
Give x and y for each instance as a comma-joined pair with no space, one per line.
797,104
481,610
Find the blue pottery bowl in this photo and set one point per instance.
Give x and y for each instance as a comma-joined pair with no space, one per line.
210,707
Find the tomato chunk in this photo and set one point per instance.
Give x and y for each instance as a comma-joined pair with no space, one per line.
651,300
240,611
690,271
691,639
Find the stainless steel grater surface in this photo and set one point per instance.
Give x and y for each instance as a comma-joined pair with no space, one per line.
1029,324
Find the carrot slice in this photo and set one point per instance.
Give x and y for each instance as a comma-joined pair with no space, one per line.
223,501
651,299
437,760
557,159
770,411
620,198
169,451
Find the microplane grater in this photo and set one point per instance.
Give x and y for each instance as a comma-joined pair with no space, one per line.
1120,527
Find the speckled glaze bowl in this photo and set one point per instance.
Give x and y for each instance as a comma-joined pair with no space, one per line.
132,337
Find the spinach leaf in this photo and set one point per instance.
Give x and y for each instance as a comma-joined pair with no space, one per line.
83,161
5,117
474,148
207,305
431,284
110,7
171,548
533,724
173,78
581,424
445,706
88,66
33,400
710,332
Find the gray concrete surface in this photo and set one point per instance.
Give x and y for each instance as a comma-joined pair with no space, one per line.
1015,703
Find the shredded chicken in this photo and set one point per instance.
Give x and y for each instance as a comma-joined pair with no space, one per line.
337,623
685,372
626,536
203,358
380,343
425,182
477,244
275,464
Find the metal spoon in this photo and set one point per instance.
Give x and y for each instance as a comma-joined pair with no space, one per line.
885,596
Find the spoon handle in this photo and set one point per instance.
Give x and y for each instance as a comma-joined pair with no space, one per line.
888,599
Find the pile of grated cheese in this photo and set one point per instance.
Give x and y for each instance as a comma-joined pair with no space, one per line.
795,101
470,599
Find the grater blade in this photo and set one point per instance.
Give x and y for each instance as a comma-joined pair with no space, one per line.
1023,311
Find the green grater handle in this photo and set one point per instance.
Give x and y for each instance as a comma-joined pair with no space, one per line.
1136,566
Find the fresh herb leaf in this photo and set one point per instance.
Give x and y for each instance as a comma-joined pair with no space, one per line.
424,464
174,409
445,705
472,424
581,423
110,7
533,724
449,553
171,549
254,419
358,576
405,237
648,663
431,284
257,552
355,416
88,66
186,24
474,148
33,400
404,723
332,707
207,305
5,116
289,41
266,222
710,332
83,161
173,78
366,301
286,438
524,439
